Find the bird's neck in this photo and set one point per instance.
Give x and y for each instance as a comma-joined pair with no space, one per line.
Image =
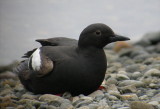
90,50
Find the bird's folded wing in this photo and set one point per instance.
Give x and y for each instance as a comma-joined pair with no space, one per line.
57,41
40,63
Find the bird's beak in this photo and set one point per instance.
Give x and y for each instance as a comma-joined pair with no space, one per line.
118,38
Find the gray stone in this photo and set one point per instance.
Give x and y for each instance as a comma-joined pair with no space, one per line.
120,76
138,50
103,104
31,102
52,107
152,92
43,106
143,97
124,108
135,68
74,99
156,97
111,80
7,75
152,72
10,108
125,52
20,107
140,58
93,106
67,95
96,94
149,61
150,49
131,82
132,97
155,66
112,90
86,98
116,106
6,92
83,107
55,100
128,89
153,85
148,39
50,97
155,103
136,75
66,105
29,96
140,105
157,48
83,103
19,88
111,97
104,107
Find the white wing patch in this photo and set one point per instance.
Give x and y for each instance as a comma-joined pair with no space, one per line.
36,60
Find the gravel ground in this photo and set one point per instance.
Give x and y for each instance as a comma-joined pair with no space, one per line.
132,81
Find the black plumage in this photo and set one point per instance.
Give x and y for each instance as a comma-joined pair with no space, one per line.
68,65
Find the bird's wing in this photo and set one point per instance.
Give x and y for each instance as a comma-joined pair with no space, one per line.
57,41
29,53
38,63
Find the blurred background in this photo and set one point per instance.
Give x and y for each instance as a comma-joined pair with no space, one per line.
23,21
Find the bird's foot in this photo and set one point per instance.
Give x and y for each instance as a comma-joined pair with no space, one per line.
59,95
101,88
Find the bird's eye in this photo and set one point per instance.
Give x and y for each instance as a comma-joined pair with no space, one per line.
98,33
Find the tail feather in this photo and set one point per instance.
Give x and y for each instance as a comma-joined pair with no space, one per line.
21,67
24,73
22,70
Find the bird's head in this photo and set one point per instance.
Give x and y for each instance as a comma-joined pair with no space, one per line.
98,35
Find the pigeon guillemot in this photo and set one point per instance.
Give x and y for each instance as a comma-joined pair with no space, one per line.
59,66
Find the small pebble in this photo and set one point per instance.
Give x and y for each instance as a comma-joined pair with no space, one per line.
132,97
132,82
96,94
140,105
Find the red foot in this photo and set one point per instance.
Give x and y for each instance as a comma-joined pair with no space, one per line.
101,87
59,95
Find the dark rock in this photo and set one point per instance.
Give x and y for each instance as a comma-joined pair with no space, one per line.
149,39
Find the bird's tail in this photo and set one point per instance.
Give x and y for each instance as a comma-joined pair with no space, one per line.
23,66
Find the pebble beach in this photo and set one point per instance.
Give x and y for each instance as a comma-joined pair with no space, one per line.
132,81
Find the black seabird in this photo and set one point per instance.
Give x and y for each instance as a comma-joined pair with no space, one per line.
64,67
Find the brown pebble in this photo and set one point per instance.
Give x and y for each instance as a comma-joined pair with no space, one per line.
140,105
